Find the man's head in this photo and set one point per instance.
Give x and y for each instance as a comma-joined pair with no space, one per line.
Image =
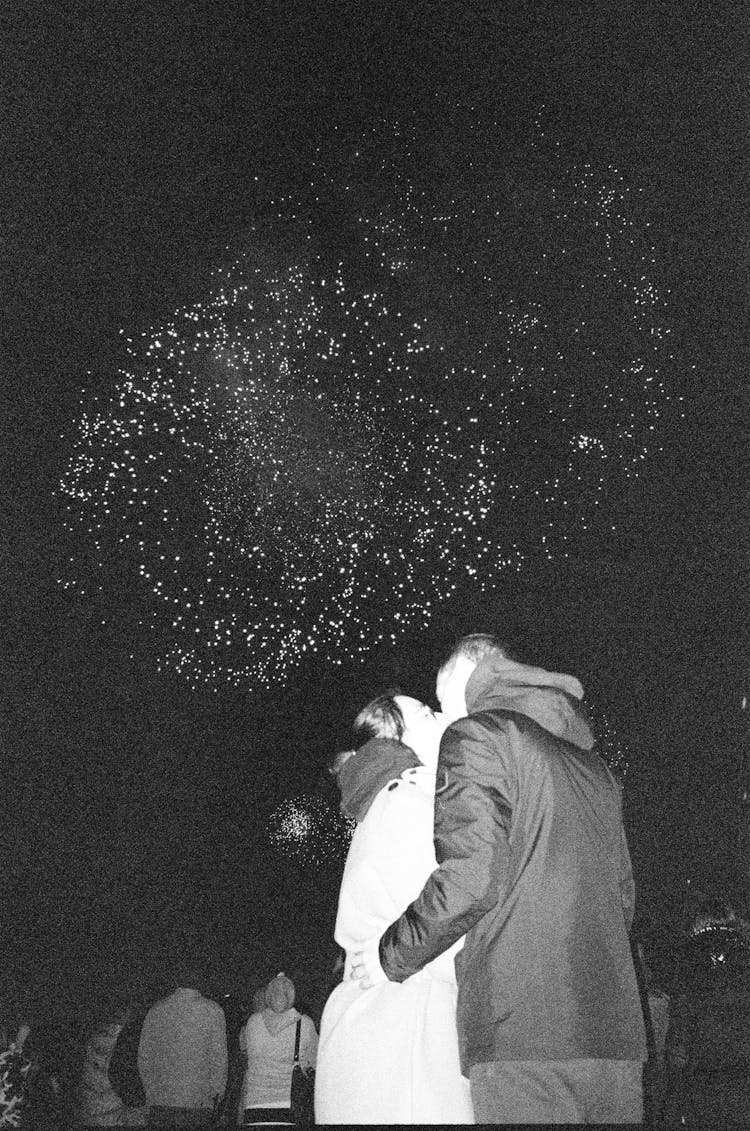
454,674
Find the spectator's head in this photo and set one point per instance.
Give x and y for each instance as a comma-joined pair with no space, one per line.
714,913
259,1000
404,719
455,673
719,940
280,994
381,718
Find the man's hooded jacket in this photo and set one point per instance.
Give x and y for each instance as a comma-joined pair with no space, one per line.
534,868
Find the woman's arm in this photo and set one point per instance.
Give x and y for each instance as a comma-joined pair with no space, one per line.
308,1045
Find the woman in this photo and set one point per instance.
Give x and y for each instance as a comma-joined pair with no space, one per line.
267,1041
99,1103
389,1054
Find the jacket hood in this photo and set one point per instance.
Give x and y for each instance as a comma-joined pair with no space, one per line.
277,1022
362,776
551,699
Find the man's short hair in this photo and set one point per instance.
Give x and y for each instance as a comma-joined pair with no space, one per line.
476,646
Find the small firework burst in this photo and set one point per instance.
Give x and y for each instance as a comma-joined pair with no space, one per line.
309,830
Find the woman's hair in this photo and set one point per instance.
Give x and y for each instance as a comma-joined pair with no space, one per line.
380,718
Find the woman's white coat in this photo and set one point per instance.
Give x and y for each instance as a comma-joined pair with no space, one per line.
389,1054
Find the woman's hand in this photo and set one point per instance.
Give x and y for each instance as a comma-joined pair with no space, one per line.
366,968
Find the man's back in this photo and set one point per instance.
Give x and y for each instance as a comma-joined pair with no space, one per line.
547,973
534,869
182,1055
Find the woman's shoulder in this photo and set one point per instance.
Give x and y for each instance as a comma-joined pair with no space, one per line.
409,791
399,810
399,822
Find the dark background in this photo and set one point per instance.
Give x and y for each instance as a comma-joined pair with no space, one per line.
134,810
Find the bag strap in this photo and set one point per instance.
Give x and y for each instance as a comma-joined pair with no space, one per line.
296,1042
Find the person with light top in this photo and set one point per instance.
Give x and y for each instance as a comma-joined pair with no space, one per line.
390,1055
267,1041
182,1055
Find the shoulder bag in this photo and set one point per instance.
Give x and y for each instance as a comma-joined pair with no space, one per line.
303,1088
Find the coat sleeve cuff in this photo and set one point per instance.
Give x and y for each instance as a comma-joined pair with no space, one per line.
385,952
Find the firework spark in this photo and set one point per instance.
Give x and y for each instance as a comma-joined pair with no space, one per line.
313,459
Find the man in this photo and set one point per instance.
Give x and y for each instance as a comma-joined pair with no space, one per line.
182,1056
533,868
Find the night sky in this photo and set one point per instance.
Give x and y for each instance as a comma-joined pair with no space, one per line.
157,157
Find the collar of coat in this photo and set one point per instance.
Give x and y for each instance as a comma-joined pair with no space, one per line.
362,776
551,699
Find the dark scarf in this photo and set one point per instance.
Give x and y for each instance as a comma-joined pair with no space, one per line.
362,776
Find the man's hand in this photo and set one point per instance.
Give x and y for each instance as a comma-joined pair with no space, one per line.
366,968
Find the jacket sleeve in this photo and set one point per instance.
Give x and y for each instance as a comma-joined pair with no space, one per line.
473,805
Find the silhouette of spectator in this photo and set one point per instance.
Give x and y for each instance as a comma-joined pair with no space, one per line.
708,1045
267,1041
182,1055
100,1105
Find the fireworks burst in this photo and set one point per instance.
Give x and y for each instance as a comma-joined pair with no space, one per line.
308,830
314,458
